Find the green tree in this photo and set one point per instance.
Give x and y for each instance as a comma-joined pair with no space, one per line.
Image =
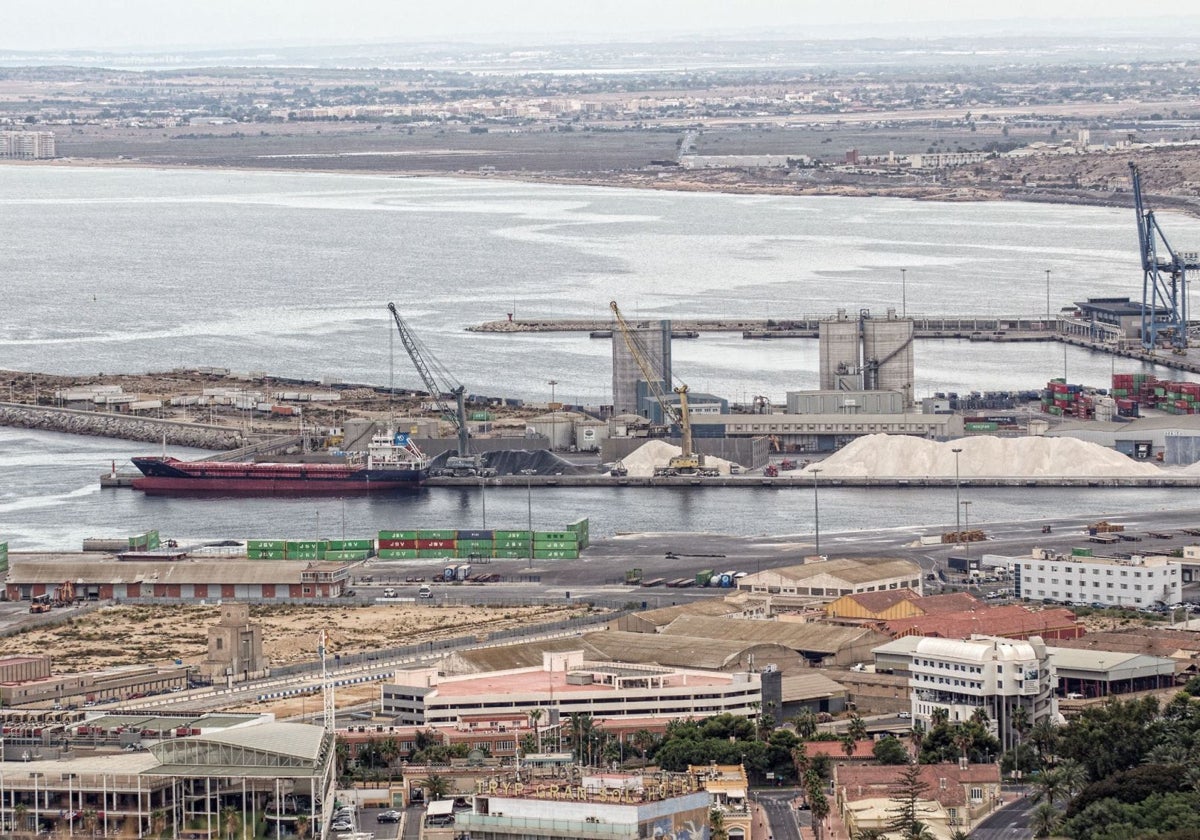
1048,787
644,741
805,724
857,728
158,822
435,786
906,795
1043,820
940,717
535,719
303,826
847,745
889,750
818,803
716,825
388,751
21,816
91,821
231,822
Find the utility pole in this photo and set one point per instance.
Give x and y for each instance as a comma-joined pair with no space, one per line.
957,507
816,514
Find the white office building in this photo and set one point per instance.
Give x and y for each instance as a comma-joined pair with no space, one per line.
983,672
1116,582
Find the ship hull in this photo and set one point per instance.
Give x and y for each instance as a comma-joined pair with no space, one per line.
168,476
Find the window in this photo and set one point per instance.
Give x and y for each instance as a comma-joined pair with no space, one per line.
977,794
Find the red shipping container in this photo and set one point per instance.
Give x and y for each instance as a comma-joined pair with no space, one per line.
437,543
398,543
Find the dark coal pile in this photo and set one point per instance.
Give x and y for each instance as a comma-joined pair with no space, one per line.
518,461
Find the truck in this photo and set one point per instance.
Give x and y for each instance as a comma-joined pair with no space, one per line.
618,470
770,471
424,591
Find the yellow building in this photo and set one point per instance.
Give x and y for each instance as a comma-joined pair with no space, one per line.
727,785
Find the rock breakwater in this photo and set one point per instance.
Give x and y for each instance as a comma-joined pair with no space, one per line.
118,426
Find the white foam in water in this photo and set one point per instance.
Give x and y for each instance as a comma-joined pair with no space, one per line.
902,456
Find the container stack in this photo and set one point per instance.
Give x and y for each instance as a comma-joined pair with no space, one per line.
555,545
512,545
3,556
397,545
580,528
350,549
1141,390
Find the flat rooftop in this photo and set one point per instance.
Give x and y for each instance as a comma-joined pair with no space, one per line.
525,682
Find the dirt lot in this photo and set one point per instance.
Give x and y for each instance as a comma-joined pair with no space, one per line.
130,635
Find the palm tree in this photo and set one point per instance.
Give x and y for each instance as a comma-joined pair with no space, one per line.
805,723
91,821
389,751
918,735
980,716
800,760
959,834
716,825
1049,787
963,739
857,728
643,740
1044,820
20,815
869,834
535,717
231,822
158,822
436,787
847,745
303,826
940,716
1044,738
818,805
1020,725
919,831
1073,775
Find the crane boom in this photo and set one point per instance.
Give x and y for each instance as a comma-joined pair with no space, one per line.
688,461
1164,280
458,415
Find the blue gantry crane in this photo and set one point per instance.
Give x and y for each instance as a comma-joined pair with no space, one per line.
1164,279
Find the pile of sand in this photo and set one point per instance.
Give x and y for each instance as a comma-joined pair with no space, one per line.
901,456
656,453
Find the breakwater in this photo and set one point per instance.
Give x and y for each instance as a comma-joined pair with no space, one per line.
123,427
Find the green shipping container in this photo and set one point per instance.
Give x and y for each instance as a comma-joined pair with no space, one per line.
152,540
566,536
351,545
555,555
265,553
434,535
397,535
555,545
510,553
513,535
397,553
265,545
313,554
347,554
1081,552
507,544
305,545
480,416
980,427
432,553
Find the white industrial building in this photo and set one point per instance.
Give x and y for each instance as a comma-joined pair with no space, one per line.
1176,438
983,672
861,353
567,684
830,579
1134,582
845,402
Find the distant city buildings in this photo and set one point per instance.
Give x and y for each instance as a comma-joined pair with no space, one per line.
27,145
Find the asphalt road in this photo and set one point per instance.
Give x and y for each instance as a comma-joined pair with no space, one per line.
784,819
1009,823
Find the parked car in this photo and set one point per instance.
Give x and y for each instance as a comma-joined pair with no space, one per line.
388,816
342,825
389,593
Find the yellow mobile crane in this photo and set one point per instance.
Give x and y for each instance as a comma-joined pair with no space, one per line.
687,462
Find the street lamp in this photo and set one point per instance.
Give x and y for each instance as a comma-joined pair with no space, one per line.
903,293
529,504
1047,296
554,414
816,514
957,520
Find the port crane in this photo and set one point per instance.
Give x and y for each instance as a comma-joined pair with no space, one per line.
438,382
687,462
1164,278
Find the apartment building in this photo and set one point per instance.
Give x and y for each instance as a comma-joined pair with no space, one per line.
1136,582
27,145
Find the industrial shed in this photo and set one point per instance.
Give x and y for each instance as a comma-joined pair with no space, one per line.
819,644
1099,673
831,579
106,578
653,621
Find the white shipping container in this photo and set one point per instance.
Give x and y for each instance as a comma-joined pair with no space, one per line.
263,406
190,399
145,405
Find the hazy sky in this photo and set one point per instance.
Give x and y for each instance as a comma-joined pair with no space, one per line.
106,24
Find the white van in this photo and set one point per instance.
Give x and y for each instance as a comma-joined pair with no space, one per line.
424,591
389,593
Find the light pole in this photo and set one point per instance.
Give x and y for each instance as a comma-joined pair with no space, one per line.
816,514
1047,296
483,499
903,293
553,415
957,520
529,503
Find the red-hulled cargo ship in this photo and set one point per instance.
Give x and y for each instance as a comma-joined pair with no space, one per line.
393,462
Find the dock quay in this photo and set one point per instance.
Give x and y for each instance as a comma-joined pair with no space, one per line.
978,328
800,481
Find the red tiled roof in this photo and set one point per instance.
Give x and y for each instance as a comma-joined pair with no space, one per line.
833,749
1010,621
946,781
950,603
